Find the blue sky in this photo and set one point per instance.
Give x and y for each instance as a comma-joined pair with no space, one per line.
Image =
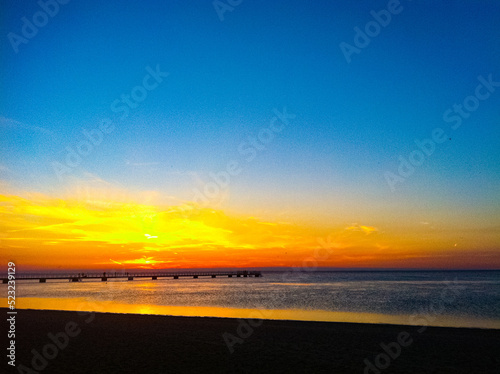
352,120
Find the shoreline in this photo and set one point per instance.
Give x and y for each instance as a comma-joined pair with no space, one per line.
260,319
147,343
108,306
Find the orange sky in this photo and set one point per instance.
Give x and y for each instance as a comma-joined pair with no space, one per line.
42,232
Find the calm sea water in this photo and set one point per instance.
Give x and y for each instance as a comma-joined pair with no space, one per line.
450,298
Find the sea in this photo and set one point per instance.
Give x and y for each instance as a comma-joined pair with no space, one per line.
431,298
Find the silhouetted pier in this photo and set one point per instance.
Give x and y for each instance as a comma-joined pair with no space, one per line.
104,276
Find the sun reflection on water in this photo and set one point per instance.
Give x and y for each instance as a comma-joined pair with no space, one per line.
106,306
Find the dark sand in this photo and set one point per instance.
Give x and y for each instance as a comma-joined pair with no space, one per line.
118,343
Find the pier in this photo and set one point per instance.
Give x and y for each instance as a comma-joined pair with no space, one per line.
105,276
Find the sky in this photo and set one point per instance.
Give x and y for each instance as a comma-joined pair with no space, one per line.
162,134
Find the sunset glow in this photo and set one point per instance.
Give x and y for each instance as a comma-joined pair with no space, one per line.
47,233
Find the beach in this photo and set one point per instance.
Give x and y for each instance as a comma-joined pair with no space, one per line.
77,342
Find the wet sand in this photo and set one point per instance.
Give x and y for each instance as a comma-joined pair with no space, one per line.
128,343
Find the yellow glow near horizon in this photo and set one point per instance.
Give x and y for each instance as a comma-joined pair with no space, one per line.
44,232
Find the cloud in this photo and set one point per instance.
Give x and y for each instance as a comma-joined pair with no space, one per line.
76,230
102,228
93,189
366,229
7,122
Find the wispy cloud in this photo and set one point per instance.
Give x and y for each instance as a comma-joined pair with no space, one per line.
366,229
8,122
